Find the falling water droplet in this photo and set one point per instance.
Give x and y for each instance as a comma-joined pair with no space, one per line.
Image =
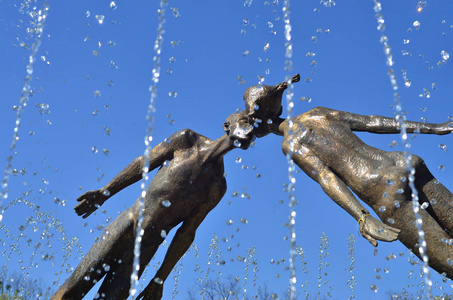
424,205
158,280
100,18
106,193
416,24
393,144
173,94
163,234
382,208
247,3
421,5
399,191
166,203
314,39
443,147
113,5
175,12
229,222
236,143
266,46
238,160
445,55
113,64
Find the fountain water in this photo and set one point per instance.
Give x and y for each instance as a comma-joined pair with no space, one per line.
95,96
148,140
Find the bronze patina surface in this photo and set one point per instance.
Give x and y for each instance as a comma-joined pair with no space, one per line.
323,144
189,184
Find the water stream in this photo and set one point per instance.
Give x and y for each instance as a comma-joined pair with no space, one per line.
38,18
400,117
322,265
148,139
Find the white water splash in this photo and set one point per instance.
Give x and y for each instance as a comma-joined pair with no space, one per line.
400,117
291,167
148,139
39,17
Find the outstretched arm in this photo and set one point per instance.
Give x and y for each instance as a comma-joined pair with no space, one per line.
182,240
380,124
92,200
371,228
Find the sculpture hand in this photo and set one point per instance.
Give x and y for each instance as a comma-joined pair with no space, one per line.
89,202
372,229
153,291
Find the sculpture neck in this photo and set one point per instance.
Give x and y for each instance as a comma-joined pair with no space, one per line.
218,148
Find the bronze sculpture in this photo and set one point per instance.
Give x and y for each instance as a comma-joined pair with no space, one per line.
323,144
188,185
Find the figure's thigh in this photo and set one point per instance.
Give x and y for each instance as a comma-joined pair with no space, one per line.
438,199
116,284
440,253
105,253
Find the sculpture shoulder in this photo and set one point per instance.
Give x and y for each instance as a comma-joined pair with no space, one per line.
320,111
314,115
187,138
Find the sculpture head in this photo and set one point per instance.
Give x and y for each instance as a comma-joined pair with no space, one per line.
264,102
239,130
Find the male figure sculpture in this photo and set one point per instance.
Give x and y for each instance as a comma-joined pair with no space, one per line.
188,185
322,143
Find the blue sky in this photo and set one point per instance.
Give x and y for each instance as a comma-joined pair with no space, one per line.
207,45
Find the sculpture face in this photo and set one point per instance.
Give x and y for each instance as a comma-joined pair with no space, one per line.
263,102
239,130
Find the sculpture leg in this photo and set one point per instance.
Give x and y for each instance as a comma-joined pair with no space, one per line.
399,213
117,283
116,239
440,253
440,199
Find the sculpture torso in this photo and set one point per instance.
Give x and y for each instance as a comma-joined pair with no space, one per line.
357,164
187,182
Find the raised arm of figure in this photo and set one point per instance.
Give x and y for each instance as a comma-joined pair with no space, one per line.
92,200
371,228
380,124
181,242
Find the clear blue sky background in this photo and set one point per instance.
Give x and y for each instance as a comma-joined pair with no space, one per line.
204,48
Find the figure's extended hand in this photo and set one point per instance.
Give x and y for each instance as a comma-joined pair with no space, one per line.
153,291
372,229
89,202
